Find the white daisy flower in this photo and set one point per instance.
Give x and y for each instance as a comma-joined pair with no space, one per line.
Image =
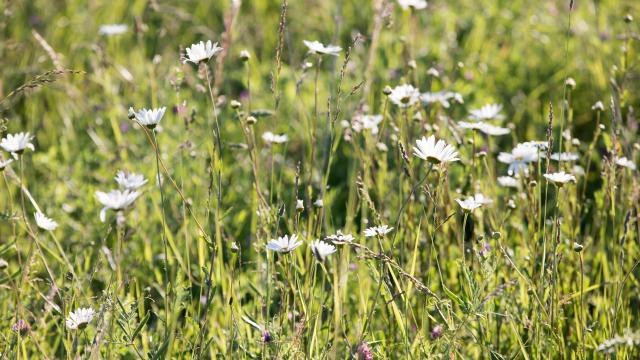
148,117
559,178
508,181
271,138
115,200
519,157
485,128
44,222
441,97
565,156
366,122
5,163
469,204
481,199
130,181
340,238
538,144
17,143
412,4
80,318
316,47
487,112
434,152
404,95
201,52
112,29
321,249
624,162
377,231
284,244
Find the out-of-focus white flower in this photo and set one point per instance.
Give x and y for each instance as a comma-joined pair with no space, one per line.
130,181
435,152
404,95
316,47
377,231
565,156
321,249
485,128
80,318
560,178
299,205
412,4
598,106
5,163
482,200
44,222
318,203
115,200
508,181
624,162
577,170
487,112
366,122
284,244
17,143
468,204
442,98
272,138
382,147
519,157
112,29
201,52
340,238
148,117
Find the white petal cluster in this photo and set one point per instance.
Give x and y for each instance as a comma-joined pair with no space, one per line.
508,181
565,156
201,52
485,128
284,244
412,4
321,249
340,238
115,200
435,152
520,157
624,162
366,122
44,222
487,112
560,178
404,95
271,138
112,29
148,117
316,47
80,318
377,231
469,204
441,97
130,181
17,143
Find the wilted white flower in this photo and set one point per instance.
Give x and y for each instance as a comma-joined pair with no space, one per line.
44,222
130,181
487,112
112,29
377,231
17,143
436,153
441,97
321,249
468,204
412,4
565,156
284,244
404,95
299,205
148,117
560,178
201,52
508,181
485,128
519,157
272,138
5,163
340,238
317,47
80,318
366,122
624,162
115,200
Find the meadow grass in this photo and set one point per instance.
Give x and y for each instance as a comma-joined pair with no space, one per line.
289,201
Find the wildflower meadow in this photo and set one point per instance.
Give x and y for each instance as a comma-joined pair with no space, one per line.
305,179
